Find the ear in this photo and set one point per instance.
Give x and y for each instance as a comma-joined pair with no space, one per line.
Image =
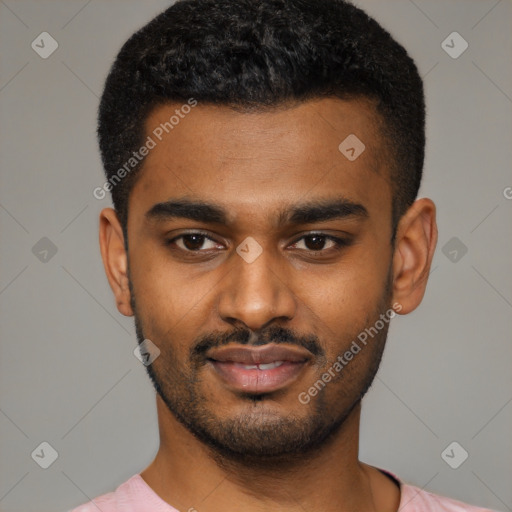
415,243
115,259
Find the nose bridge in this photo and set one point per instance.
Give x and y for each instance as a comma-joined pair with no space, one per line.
253,292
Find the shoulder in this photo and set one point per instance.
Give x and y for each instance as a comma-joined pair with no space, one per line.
415,499
105,503
112,501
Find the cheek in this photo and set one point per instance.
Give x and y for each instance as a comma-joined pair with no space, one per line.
163,290
351,289
341,303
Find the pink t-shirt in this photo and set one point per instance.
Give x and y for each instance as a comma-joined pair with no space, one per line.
135,495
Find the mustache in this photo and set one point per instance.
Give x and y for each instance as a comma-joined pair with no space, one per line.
243,336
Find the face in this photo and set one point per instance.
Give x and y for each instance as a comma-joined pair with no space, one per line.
258,255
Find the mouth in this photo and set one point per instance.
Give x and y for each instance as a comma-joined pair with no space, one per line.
258,370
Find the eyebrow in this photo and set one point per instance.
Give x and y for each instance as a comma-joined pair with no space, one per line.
320,210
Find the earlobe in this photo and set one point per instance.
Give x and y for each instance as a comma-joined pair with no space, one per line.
115,259
414,249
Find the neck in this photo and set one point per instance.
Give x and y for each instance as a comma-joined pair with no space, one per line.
190,476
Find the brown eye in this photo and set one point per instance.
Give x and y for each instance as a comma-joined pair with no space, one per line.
318,242
193,242
315,242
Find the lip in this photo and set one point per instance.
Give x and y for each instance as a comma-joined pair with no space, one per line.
230,364
259,355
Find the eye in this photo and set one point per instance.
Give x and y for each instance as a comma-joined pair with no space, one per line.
197,242
193,242
316,242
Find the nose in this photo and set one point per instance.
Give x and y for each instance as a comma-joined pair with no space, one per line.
256,294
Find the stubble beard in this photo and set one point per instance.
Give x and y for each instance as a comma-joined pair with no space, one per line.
257,437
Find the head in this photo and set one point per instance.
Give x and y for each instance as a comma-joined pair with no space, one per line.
272,154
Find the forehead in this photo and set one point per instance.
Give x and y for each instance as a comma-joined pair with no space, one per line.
251,162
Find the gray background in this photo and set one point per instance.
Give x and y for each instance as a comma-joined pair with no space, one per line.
68,375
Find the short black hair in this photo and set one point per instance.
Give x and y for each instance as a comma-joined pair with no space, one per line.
252,55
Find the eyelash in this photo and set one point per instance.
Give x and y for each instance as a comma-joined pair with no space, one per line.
340,242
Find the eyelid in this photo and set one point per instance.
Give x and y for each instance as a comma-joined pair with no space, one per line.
192,232
339,241
344,237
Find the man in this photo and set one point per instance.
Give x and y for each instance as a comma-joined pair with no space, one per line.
264,159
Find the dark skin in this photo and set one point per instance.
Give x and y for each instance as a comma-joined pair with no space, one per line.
255,166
